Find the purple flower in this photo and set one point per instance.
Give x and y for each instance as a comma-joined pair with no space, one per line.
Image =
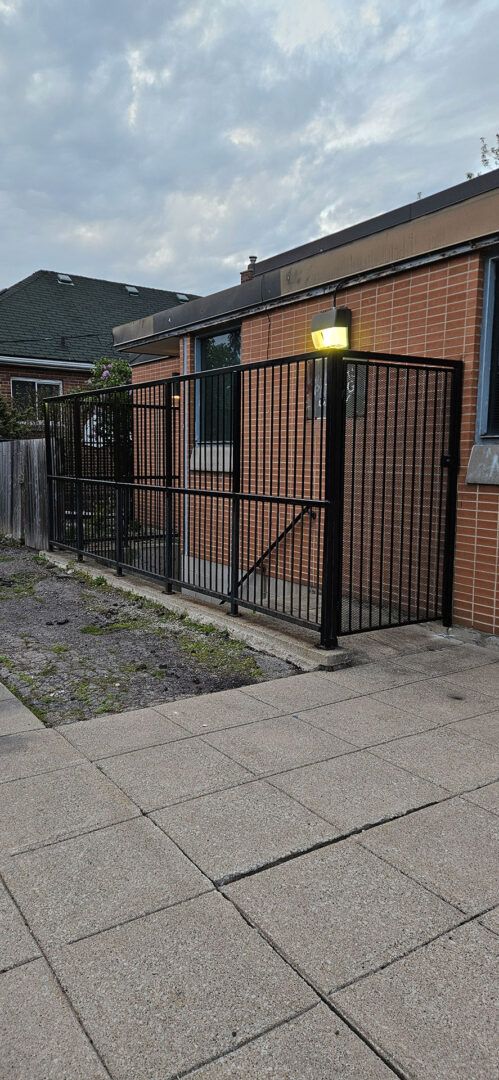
105,374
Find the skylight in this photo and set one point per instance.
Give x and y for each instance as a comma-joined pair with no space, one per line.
181,296
132,290
64,279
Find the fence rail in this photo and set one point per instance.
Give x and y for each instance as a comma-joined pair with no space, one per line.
317,489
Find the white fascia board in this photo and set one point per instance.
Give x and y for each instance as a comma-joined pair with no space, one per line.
33,361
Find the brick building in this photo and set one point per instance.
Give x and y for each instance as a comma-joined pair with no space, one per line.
420,281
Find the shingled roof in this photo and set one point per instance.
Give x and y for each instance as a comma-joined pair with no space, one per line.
43,317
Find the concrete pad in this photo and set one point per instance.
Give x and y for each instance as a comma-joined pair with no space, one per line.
270,746
116,734
41,1037
441,700
419,636
483,679
16,944
53,806
92,882
335,914
239,830
299,691
454,761
369,678
168,992
446,661
5,693
357,790
364,721
315,1046
485,727
487,796
491,920
451,848
14,716
433,1012
209,712
30,752
160,775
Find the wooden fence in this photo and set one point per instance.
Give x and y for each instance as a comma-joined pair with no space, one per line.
23,491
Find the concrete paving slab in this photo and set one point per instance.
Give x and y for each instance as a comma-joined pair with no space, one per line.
167,992
357,790
30,752
160,775
299,691
364,721
483,679
118,733
369,678
456,762
209,712
416,637
484,727
14,716
92,882
451,848
446,661
491,920
315,1046
433,1012
41,1037
442,700
52,806
5,693
487,796
271,746
16,943
335,915
239,830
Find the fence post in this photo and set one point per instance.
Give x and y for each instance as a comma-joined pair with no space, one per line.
167,435
80,543
50,482
452,463
333,492
236,487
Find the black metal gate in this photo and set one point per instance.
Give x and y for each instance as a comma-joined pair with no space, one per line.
318,489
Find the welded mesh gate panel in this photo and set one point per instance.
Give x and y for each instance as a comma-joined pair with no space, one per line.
396,499
320,490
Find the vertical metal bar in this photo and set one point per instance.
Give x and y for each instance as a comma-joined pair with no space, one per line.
78,479
167,480
118,518
49,468
333,493
236,487
451,504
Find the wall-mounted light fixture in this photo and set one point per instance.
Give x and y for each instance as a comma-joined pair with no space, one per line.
331,329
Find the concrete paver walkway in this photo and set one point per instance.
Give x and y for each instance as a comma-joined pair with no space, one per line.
297,879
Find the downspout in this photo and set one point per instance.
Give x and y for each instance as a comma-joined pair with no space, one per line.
186,462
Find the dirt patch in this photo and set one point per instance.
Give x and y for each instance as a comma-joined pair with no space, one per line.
73,647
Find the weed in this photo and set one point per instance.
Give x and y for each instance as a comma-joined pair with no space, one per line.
5,662
133,623
59,649
48,669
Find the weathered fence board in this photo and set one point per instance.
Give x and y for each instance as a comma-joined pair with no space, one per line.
23,491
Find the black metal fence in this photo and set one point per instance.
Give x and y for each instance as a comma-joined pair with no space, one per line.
318,489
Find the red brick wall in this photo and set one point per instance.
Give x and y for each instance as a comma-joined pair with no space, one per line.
432,311
70,380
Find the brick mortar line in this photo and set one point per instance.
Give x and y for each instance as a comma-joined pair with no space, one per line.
58,982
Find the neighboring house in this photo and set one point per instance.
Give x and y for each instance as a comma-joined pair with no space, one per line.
420,281
54,326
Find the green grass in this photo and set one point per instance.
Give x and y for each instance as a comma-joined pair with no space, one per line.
5,662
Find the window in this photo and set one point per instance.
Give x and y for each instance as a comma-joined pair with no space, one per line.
488,392
28,395
213,406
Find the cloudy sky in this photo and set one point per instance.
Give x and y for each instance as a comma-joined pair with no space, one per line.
161,142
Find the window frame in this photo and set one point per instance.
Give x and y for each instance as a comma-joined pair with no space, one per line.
198,347
37,382
490,315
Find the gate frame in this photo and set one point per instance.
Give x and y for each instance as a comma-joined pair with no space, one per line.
336,365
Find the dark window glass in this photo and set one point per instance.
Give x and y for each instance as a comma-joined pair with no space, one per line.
493,419
28,395
214,398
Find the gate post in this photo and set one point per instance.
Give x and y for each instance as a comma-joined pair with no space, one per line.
80,542
236,486
167,435
451,500
333,492
49,472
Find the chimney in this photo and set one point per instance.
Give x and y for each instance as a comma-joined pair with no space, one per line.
246,275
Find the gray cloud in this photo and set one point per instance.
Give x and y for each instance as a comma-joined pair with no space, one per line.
162,142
